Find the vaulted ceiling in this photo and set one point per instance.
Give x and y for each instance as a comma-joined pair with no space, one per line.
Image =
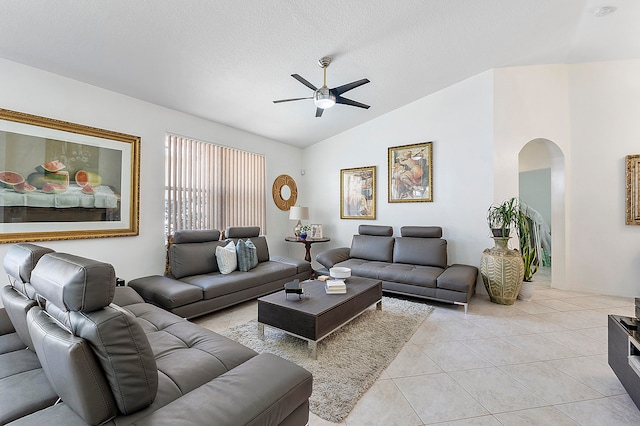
227,60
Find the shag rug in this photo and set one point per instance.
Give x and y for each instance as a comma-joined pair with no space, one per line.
348,361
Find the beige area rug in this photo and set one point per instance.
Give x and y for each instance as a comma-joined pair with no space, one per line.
349,360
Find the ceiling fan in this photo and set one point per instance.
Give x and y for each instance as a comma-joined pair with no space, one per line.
324,97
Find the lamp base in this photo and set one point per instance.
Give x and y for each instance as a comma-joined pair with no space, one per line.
296,229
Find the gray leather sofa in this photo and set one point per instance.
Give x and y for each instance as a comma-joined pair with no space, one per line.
194,286
67,332
414,264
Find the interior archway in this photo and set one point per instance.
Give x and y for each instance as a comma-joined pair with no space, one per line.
541,185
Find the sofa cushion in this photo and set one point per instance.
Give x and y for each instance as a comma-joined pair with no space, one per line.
26,393
193,258
72,369
261,247
423,276
182,346
215,285
268,387
253,260
421,251
458,278
123,351
363,268
227,258
16,307
247,255
79,286
371,247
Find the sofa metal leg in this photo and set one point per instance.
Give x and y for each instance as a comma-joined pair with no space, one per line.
466,305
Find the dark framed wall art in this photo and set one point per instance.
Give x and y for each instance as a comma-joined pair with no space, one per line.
60,180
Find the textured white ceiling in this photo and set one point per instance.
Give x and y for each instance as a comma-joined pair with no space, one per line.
227,60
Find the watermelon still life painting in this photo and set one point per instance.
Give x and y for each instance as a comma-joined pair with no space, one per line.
60,180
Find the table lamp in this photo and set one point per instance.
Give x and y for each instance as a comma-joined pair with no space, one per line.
298,213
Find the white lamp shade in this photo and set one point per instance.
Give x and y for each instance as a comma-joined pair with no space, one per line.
323,98
298,213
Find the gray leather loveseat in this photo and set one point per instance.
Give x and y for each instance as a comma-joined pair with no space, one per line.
413,264
67,334
194,285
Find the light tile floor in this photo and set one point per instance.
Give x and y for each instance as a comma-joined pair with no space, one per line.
542,362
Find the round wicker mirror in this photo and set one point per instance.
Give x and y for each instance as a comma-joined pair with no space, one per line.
285,192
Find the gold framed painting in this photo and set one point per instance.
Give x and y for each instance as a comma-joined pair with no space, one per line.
633,187
410,173
60,180
358,193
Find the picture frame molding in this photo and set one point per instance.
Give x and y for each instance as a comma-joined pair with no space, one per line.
394,180
371,198
131,171
316,231
632,189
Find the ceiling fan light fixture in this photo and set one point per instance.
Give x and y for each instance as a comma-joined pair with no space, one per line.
601,11
323,98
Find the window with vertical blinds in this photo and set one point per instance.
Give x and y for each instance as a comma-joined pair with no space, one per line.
212,187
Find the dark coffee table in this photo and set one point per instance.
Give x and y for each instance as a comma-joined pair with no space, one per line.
317,314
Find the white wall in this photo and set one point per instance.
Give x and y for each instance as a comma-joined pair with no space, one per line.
605,103
533,103
478,126
589,111
459,121
33,91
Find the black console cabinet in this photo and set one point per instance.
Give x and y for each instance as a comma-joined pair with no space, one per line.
624,345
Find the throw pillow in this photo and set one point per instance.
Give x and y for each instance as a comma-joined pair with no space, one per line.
254,254
244,256
226,258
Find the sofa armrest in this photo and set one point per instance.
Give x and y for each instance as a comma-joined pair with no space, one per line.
330,257
6,326
166,292
126,296
301,265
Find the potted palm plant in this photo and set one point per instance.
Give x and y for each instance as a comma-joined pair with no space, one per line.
501,268
502,216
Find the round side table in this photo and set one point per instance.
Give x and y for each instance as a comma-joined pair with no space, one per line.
307,244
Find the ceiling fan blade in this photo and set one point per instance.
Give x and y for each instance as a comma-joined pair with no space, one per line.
319,112
289,100
345,101
346,87
303,81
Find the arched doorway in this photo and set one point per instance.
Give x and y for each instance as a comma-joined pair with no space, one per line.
541,185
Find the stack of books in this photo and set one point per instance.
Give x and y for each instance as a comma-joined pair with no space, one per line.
335,287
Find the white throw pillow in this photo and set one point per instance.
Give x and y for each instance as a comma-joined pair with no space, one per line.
226,258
